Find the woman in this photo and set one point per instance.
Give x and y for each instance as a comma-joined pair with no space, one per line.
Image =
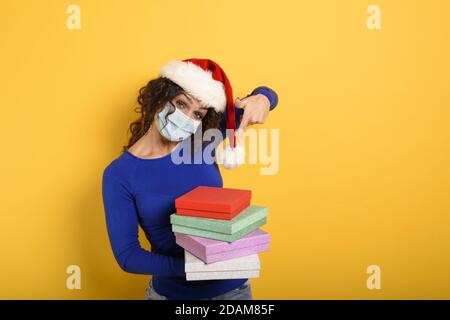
139,187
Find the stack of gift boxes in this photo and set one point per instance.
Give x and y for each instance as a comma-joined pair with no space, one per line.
220,232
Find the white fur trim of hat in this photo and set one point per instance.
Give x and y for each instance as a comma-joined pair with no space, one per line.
197,82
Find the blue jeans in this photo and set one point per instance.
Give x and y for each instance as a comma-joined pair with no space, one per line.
244,292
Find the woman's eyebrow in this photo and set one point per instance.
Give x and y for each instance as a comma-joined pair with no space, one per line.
190,100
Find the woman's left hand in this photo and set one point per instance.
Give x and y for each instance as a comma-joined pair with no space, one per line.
256,109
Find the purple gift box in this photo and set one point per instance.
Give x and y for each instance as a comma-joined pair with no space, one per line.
210,250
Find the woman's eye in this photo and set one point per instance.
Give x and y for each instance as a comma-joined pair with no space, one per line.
180,104
198,115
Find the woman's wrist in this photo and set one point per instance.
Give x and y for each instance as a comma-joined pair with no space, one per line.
270,94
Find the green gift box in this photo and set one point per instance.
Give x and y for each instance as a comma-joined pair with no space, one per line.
247,221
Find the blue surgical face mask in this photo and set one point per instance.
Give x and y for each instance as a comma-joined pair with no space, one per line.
178,125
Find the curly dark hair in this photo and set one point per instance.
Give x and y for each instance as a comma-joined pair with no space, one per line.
152,99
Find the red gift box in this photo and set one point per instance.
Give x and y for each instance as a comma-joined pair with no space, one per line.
213,202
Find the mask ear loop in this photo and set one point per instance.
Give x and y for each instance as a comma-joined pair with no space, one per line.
168,113
155,118
172,105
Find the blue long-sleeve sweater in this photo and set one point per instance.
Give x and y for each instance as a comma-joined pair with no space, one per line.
142,192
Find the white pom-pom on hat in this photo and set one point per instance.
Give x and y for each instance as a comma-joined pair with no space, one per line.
230,157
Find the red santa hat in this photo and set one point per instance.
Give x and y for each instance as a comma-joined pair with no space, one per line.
206,81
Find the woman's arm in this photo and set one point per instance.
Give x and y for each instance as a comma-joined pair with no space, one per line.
257,105
122,225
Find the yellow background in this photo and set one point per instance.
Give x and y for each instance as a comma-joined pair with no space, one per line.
364,138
